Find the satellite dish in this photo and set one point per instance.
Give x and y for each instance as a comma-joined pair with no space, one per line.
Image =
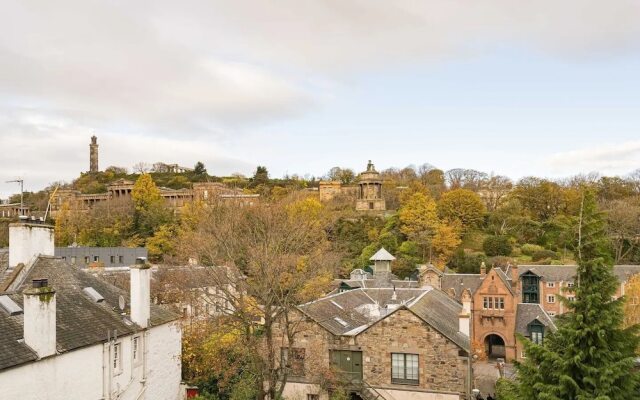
121,302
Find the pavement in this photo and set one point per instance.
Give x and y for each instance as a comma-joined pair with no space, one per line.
486,373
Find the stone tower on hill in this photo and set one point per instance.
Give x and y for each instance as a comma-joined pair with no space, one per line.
370,190
93,155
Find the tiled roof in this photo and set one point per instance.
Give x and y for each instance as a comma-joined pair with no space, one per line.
378,283
80,321
460,282
567,273
382,255
352,312
529,312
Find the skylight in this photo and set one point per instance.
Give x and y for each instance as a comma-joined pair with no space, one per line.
93,294
341,321
337,305
10,306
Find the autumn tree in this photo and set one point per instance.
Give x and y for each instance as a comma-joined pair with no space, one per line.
632,301
623,225
264,261
463,206
150,212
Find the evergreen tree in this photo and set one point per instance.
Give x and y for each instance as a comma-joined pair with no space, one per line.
591,355
199,169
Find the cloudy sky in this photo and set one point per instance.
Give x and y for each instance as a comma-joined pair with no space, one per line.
543,87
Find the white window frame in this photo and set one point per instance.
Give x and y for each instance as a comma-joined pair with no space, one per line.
116,359
136,349
551,284
551,299
405,368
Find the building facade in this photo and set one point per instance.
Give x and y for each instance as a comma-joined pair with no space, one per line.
101,256
69,335
367,192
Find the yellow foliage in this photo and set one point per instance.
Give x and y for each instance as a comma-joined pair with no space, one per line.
632,301
445,241
418,215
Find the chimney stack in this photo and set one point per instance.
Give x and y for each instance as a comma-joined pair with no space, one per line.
464,318
141,292
29,239
483,269
514,276
40,318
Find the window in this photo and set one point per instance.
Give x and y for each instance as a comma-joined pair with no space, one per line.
571,298
117,362
551,284
570,284
530,288
121,259
293,360
87,259
112,259
493,303
73,260
536,332
404,368
552,313
135,348
313,397
96,258
551,299
370,205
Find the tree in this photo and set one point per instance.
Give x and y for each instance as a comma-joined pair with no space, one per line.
632,301
264,261
462,205
541,198
150,211
591,355
260,177
497,246
418,215
199,169
445,241
623,225
495,188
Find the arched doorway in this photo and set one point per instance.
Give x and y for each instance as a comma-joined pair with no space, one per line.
494,346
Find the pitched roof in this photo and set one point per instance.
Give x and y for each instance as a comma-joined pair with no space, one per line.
529,312
80,321
567,273
353,312
460,282
382,255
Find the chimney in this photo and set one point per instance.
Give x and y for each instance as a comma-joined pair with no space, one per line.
40,318
29,239
141,292
483,269
514,276
464,318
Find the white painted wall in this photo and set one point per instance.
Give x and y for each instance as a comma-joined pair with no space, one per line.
29,240
40,321
87,374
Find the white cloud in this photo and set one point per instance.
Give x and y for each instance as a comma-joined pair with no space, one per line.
616,158
204,71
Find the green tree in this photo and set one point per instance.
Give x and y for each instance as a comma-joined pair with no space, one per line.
591,355
260,177
199,169
497,246
462,205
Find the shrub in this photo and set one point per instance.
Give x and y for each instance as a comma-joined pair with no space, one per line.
528,249
500,261
466,262
497,246
543,255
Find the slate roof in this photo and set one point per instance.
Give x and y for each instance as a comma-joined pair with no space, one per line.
80,321
529,312
459,282
567,273
4,260
353,312
382,255
378,283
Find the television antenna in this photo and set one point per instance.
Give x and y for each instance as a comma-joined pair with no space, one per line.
21,182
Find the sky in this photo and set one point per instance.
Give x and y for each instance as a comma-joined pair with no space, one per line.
545,88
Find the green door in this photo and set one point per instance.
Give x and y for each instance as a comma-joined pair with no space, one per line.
349,363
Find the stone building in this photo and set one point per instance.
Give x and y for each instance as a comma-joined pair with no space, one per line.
518,299
367,192
93,155
380,341
118,194
69,335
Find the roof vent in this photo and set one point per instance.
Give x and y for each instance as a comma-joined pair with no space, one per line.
10,306
141,260
40,283
337,305
93,294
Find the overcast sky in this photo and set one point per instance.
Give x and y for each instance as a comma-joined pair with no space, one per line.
548,88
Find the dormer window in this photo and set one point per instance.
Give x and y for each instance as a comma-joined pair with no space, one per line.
530,288
536,332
